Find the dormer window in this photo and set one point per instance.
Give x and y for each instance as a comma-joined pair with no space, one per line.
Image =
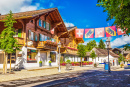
31,21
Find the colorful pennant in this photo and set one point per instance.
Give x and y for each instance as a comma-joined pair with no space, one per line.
89,33
120,31
52,31
79,33
99,32
110,31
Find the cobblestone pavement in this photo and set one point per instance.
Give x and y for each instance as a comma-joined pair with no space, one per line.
100,79
54,77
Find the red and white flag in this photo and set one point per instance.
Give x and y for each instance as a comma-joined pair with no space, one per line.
120,31
79,33
99,32
52,31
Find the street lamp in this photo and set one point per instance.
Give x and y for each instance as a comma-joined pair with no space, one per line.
108,47
59,45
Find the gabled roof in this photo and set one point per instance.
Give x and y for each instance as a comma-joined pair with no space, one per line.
29,14
121,49
103,52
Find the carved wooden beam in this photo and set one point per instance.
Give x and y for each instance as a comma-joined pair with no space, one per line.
59,34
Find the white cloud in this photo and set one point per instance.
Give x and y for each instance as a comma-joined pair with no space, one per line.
16,6
69,24
51,4
120,41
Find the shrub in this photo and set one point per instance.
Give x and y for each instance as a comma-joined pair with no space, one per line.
63,63
49,61
68,61
40,61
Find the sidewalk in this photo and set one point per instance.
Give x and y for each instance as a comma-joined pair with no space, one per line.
41,72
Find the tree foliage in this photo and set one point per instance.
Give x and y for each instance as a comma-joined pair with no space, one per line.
118,10
93,54
7,42
90,45
81,50
120,58
101,44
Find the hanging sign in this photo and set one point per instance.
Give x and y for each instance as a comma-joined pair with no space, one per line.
89,33
99,32
110,31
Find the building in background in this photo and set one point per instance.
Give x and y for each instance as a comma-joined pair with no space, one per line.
102,56
69,45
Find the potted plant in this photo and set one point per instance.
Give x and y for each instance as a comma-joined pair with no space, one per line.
95,65
49,63
122,65
40,63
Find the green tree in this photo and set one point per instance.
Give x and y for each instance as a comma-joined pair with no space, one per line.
101,44
119,10
81,51
7,42
120,58
90,45
93,55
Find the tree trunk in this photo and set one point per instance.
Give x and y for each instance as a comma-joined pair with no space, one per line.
81,61
10,62
5,63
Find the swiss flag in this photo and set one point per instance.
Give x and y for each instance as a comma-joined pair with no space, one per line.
120,31
52,31
79,33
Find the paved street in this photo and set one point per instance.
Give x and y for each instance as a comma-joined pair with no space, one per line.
90,77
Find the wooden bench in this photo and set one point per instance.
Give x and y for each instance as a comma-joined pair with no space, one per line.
69,66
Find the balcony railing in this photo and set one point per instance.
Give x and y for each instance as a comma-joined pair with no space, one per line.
47,45
20,40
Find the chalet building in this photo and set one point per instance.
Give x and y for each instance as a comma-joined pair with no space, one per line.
126,53
102,56
69,45
38,33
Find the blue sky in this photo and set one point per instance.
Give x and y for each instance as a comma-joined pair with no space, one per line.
80,13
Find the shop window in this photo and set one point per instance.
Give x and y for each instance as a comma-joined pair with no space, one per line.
40,23
53,56
13,58
31,56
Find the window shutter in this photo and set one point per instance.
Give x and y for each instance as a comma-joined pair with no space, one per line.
19,32
49,27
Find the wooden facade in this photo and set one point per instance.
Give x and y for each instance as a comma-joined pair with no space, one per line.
69,45
29,21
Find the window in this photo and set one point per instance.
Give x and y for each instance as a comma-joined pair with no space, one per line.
47,26
48,38
40,23
43,24
35,37
31,21
45,38
41,37
31,35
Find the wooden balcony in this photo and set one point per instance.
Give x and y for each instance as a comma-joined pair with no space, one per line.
20,40
48,45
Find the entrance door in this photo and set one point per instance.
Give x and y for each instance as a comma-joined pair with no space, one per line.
43,57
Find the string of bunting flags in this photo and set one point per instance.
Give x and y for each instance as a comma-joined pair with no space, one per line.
99,32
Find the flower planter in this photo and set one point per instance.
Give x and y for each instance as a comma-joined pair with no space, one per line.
40,64
49,64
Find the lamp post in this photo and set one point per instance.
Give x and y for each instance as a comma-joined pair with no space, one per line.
59,45
108,46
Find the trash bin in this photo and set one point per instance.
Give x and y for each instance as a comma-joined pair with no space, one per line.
106,66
